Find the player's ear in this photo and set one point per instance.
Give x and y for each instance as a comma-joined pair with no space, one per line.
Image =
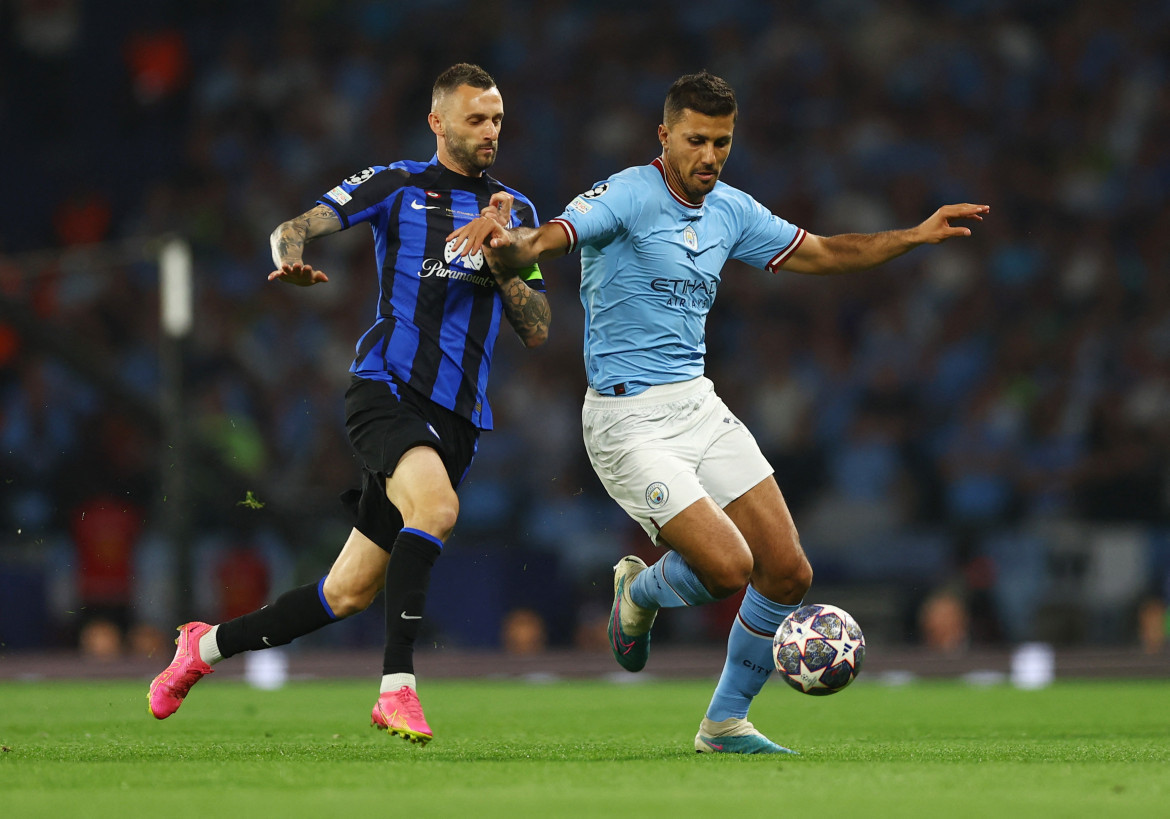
663,133
436,123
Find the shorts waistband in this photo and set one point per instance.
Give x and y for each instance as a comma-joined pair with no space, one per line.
651,396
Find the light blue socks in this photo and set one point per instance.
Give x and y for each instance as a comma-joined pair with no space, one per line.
749,655
669,583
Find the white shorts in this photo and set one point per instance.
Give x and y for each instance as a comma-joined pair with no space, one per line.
658,452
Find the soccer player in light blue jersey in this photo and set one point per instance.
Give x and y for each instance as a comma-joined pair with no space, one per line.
653,242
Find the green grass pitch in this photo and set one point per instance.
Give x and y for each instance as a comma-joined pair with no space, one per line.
518,749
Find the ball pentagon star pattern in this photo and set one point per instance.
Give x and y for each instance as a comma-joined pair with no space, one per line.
806,678
802,632
818,649
846,648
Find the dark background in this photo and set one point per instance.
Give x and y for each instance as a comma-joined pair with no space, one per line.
973,439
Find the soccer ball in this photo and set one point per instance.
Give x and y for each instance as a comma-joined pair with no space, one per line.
818,649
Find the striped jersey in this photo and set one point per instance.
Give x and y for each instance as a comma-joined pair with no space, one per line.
438,314
650,267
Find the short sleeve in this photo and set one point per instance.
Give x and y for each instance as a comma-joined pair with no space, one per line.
766,241
600,213
357,198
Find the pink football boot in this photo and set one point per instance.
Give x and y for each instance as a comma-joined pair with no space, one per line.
400,712
169,688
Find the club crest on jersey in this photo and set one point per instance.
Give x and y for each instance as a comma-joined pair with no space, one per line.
598,190
690,238
656,494
450,254
359,177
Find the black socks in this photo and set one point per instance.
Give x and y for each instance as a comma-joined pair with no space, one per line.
408,575
303,610
294,614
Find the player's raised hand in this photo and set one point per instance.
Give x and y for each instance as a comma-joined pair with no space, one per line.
938,227
478,232
500,208
298,273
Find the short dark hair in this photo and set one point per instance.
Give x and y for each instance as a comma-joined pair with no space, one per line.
457,75
702,92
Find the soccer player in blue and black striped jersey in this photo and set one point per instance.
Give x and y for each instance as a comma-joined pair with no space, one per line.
417,400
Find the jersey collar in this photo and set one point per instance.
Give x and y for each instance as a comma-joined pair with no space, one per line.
468,182
678,197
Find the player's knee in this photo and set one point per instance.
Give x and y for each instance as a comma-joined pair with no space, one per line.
346,600
351,604
437,517
727,578
801,579
791,583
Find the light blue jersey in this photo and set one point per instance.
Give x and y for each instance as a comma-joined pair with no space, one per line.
650,269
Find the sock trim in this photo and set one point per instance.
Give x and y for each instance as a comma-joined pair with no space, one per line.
752,631
693,593
425,535
324,603
670,586
762,615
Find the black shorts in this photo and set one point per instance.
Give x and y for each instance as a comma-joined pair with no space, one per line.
384,421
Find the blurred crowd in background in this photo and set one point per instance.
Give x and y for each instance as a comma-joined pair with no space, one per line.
974,440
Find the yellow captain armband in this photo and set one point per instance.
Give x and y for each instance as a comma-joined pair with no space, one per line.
529,273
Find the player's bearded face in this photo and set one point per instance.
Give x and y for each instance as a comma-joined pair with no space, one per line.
694,148
471,119
473,153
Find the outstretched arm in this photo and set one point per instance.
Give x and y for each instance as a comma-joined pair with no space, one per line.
851,252
515,248
288,244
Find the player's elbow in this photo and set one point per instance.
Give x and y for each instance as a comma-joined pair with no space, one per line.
536,337
275,238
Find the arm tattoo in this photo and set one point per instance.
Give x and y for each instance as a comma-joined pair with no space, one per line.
527,311
288,243
289,240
